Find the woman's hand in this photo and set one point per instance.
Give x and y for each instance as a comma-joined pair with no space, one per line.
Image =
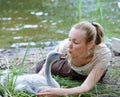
53,92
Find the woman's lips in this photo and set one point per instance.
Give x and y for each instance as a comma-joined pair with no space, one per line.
70,52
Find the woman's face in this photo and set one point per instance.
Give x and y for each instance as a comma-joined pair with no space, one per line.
77,46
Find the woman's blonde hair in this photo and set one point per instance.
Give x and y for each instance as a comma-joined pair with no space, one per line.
94,31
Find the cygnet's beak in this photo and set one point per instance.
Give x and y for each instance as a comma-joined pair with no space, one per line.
63,56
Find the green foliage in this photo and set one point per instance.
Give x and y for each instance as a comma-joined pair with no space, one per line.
23,94
78,13
26,53
110,92
66,82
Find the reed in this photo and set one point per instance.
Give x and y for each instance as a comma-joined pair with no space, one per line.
25,55
78,15
99,13
7,90
42,54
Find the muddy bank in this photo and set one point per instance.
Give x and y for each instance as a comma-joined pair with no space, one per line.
22,56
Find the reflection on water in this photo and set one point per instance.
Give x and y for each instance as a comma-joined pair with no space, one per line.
33,44
44,23
119,4
5,18
22,44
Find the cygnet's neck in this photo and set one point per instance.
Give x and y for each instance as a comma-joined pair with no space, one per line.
48,76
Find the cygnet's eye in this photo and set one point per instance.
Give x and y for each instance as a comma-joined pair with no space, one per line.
56,54
65,54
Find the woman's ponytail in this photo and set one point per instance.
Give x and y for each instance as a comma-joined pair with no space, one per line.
99,33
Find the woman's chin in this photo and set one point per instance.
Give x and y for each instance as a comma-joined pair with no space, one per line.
71,55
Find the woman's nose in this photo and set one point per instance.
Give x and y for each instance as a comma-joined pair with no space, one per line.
70,45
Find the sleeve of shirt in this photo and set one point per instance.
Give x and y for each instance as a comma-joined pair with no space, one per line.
103,60
63,46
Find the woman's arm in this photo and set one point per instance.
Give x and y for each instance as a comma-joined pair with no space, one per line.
86,86
91,80
93,77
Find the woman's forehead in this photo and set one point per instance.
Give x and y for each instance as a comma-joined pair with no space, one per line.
77,33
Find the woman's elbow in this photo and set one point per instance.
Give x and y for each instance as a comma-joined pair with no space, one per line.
87,88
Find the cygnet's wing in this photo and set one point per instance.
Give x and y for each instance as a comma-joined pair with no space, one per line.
30,83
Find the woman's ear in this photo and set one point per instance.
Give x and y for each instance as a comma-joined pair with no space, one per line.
90,45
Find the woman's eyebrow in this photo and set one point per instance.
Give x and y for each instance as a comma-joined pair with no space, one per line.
74,39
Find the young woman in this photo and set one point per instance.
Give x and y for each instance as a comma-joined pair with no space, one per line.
88,59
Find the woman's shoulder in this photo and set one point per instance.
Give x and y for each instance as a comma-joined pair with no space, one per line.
102,56
102,51
102,48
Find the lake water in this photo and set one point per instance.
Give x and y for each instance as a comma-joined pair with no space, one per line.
44,23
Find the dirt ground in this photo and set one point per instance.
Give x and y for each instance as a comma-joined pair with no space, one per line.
111,79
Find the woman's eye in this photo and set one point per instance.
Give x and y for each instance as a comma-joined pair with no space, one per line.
75,42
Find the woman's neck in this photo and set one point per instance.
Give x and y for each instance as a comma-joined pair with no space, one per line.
81,61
